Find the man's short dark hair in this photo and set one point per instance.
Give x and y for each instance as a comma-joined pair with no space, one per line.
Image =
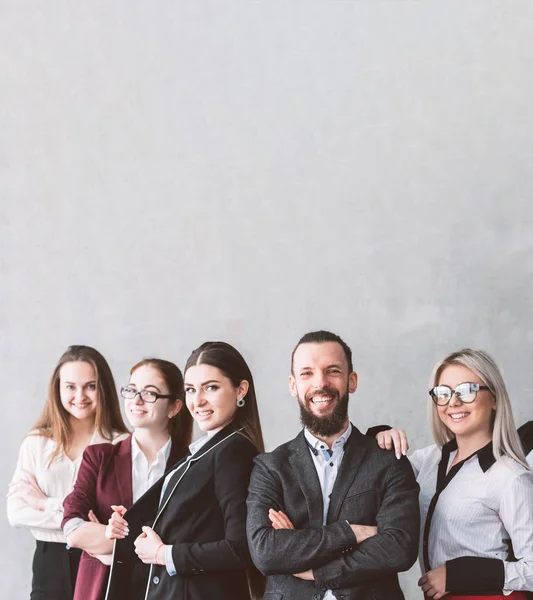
321,337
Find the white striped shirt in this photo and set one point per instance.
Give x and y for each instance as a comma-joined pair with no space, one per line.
484,504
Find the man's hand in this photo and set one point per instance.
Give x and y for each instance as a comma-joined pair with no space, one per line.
307,575
393,439
433,583
28,489
150,548
117,526
279,519
363,532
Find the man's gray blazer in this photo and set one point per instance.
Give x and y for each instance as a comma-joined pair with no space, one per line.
372,487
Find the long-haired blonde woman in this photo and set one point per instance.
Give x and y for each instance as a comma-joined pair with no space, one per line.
82,408
476,489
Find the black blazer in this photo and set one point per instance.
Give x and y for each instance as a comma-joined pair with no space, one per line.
203,515
372,488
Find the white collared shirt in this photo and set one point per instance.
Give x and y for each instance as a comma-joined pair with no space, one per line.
55,480
484,504
143,475
327,469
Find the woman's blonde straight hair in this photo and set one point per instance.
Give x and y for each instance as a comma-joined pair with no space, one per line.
54,421
505,440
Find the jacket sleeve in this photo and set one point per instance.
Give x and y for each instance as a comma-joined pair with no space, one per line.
394,548
21,514
233,465
287,551
83,497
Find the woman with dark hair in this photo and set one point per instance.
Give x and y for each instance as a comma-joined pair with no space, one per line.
113,477
196,542
81,409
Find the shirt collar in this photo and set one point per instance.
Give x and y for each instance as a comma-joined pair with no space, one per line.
340,441
162,453
485,455
197,444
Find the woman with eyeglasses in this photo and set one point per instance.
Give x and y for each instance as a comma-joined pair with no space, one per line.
113,477
191,526
81,409
476,488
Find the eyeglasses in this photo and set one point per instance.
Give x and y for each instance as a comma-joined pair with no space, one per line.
464,392
145,395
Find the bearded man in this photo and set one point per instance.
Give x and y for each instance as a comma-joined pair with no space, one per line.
330,514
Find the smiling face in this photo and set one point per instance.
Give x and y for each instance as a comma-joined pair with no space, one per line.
322,384
211,397
149,415
78,389
465,420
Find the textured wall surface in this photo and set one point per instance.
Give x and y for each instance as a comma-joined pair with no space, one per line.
248,171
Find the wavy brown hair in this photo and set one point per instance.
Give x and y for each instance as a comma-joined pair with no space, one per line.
230,362
180,425
54,421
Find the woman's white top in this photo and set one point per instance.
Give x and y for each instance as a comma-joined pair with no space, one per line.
55,480
485,503
144,475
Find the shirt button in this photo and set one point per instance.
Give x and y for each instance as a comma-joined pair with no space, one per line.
330,464
155,580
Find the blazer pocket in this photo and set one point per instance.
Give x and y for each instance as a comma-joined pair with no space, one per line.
362,506
359,494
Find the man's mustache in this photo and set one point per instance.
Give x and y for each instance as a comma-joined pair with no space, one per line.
322,392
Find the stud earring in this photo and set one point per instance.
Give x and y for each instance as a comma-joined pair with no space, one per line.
241,402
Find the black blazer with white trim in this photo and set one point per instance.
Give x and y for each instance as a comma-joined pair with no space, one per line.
203,516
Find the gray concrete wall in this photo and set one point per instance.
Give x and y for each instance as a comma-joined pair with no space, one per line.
172,172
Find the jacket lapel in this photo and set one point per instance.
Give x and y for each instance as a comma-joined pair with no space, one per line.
351,461
307,478
188,462
122,468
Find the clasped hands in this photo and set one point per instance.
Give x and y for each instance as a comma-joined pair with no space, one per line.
148,546
280,520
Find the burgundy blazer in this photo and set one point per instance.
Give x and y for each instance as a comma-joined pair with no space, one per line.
104,479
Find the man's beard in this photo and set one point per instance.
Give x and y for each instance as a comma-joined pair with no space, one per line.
327,425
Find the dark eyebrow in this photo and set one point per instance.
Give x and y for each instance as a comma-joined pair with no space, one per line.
152,386
204,383
73,383
147,386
